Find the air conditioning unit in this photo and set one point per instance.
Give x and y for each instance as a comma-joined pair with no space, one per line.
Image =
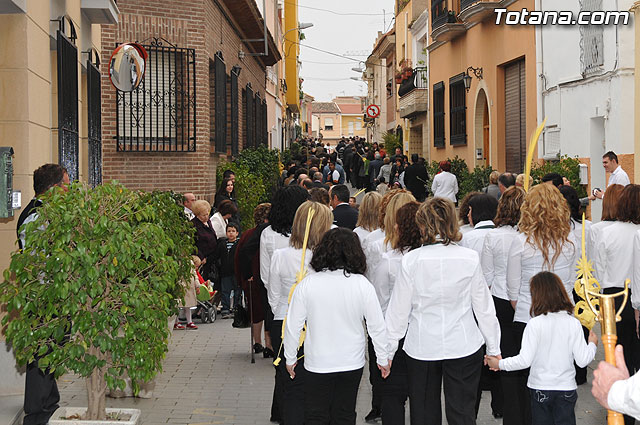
551,143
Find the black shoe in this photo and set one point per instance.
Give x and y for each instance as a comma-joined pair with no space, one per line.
497,415
258,348
373,416
268,353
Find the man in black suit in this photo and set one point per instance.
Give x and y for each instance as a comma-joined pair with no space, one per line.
415,178
343,214
317,181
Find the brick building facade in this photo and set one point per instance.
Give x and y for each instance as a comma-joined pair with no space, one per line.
193,112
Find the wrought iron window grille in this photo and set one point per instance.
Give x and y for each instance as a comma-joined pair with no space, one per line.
438,115
160,115
458,110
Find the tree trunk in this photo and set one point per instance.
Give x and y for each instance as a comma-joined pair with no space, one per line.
96,391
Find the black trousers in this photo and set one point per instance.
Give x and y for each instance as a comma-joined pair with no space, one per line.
626,331
394,391
331,397
460,378
375,378
288,394
41,395
517,403
581,372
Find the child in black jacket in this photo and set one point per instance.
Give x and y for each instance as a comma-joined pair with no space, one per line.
226,252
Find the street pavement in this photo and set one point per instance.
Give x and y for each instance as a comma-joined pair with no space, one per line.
207,379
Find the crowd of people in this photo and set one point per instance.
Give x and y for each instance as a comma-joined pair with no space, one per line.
467,301
454,301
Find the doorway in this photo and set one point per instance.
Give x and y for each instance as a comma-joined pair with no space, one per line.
482,130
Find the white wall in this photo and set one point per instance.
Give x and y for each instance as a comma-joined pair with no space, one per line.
594,113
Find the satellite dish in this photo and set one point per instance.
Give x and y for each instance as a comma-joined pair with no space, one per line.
127,66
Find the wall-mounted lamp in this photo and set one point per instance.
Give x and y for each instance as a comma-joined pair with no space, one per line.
467,78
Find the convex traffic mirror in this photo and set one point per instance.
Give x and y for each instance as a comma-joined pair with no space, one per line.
127,65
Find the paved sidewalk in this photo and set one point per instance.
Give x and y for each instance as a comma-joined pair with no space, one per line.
208,379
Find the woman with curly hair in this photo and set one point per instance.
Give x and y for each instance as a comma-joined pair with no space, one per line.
393,390
545,243
493,259
368,215
334,302
442,306
285,265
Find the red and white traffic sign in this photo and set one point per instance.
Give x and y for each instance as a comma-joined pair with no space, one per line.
373,111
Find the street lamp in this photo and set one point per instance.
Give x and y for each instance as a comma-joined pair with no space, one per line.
301,26
467,78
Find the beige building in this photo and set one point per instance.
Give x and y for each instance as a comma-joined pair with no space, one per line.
49,112
381,86
326,121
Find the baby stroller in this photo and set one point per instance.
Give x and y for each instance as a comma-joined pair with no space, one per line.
206,308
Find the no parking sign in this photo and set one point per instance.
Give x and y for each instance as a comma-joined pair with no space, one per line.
373,111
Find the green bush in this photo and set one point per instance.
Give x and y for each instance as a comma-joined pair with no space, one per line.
566,167
257,173
391,142
93,291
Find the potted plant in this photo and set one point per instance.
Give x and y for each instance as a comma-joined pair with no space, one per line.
399,77
93,291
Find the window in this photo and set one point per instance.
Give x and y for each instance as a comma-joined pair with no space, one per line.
159,115
591,41
438,13
438,115
457,110
234,113
220,103
350,125
328,124
358,125
249,118
67,60
94,124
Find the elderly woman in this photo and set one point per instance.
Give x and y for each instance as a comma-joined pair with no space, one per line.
445,184
220,219
442,306
206,238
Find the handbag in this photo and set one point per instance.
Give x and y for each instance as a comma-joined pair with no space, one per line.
240,317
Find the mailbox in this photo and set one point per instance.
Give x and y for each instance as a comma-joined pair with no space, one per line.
6,182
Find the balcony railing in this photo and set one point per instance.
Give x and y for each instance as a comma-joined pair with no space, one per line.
466,3
418,80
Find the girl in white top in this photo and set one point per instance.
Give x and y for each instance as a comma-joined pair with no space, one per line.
439,294
378,233
445,184
552,341
545,243
463,213
609,215
368,215
334,301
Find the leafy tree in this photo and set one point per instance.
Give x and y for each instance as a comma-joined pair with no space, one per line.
391,142
566,167
93,290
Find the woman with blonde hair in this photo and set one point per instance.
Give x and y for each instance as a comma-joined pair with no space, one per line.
442,304
285,265
545,243
368,215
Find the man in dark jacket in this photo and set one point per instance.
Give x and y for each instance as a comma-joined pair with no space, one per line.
415,178
41,394
343,214
374,169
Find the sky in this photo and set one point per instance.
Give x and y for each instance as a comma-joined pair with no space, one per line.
327,76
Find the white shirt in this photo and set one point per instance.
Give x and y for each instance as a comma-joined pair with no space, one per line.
190,215
619,176
370,238
445,185
219,225
493,259
374,252
624,396
270,240
576,229
438,291
635,281
361,232
550,344
594,235
474,239
613,254
334,307
525,261
285,264
465,228
384,276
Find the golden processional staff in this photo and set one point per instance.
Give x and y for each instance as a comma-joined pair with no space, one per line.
601,308
299,276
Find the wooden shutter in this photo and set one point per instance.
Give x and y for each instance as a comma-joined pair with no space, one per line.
438,115
515,117
220,104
